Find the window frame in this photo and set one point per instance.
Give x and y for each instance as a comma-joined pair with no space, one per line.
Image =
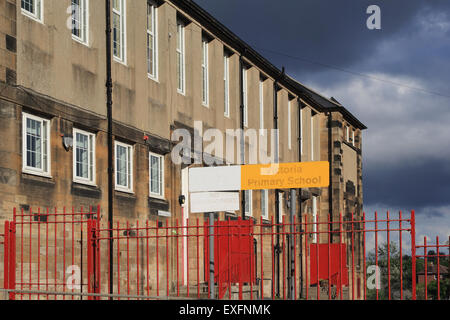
301,130
265,212
314,215
77,179
34,15
205,72
289,125
128,189
123,34
154,34
261,106
245,94
161,195
312,137
182,52
249,213
226,80
84,39
31,170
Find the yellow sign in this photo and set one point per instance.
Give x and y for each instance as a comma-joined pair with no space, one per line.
285,175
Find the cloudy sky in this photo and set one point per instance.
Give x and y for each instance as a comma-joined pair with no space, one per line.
395,80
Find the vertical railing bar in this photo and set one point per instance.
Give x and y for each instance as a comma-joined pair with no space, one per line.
425,266
306,257
261,239
329,257
138,262
147,252
39,253
364,257
341,246
388,255
438,269
118,257
317,254
353,256
376,255
401,253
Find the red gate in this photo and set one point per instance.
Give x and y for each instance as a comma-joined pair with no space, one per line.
234,255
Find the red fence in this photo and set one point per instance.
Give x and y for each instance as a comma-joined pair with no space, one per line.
340,257
435,276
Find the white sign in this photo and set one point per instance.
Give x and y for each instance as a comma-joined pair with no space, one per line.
214,202
205,179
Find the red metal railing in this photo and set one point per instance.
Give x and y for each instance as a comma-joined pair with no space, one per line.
435,274
49,251
314,258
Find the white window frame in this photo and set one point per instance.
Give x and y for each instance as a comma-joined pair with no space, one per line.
181,79
154,34
353,137
226,81
245,95
160,195
261,106
123,28
301,130
280,207
314,211
205,73
91,157
265,204
84,23
129,188
312,137
249,199
289,125
38,13
25,167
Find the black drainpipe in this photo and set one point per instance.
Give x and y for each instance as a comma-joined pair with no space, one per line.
241,109
109,104
330,159
300,142
277,196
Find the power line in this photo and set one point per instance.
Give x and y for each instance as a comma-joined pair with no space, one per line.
355,73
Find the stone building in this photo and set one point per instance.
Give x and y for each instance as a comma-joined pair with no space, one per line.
173,64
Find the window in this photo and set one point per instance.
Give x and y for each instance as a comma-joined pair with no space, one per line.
124,167
180,57
80,20
261,105
152,44
33,8
245,96
226,81
205,73
84,157
353,137
156,175
119,30
289,126
265,204
248,202
301,130
280,207
314,217
347,133
312,137
36,145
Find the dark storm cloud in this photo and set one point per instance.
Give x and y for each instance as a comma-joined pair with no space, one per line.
407,185
406,150
332,32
